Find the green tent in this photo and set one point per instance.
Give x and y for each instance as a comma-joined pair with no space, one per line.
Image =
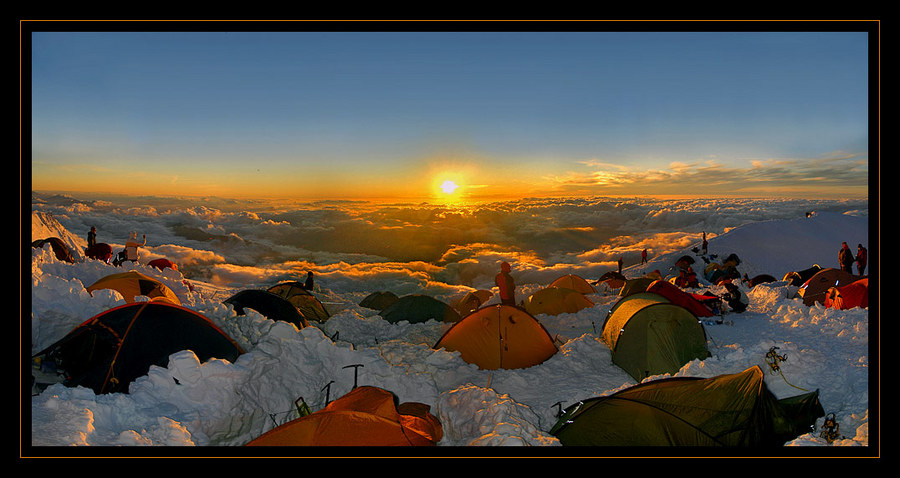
735,410
648,335
303,300
634,286
416,308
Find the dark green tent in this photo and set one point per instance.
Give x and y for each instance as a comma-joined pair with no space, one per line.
108,351
648,335
272,306
634,286
735,410
295,293
378,300
419,308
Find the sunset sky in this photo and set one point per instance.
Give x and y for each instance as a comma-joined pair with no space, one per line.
394,115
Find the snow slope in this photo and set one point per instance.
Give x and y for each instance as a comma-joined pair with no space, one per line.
222,404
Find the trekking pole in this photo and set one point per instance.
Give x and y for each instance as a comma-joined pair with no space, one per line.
355,371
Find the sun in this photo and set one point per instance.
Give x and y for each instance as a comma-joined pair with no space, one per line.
449,187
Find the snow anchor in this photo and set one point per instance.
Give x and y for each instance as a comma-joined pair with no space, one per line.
355,371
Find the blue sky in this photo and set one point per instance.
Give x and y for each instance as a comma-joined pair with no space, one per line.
387,114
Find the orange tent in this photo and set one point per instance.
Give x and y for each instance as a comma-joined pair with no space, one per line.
574,282
132,284
555,301
367,416
855,294
815,289
500,336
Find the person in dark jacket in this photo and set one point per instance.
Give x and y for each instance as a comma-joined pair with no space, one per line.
845,258
308,285
862,258
92,236
736,300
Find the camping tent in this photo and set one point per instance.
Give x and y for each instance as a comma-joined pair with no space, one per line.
471,301
132,284
110,350
58,246
304,300
163,263
814,289
612,279
574,282
855,294
735,410
378,300
633,286
499,336
100,251
419,308
366,416
555,301
648,335
798,278
696,303
267,304
761,279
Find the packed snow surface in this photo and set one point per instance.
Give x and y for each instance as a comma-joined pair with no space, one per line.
223,404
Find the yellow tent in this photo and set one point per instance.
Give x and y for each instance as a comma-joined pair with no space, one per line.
132,284
500,336
574,282
366,416
556,300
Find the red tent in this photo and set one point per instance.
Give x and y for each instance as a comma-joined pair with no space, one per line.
855,294
162,263
691,302
100,251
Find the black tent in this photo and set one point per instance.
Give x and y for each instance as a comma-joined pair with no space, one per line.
110,350
268,304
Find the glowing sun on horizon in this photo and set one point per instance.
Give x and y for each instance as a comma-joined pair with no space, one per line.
449,187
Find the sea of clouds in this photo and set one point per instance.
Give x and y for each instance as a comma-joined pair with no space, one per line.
426,247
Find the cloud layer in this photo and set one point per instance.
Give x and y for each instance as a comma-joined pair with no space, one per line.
418,247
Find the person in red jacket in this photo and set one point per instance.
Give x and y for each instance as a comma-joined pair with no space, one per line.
506,284
862,258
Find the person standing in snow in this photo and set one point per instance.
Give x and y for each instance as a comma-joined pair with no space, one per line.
862,258
92,237
845,258
506,284
705,244
131,247
644,256
308,285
